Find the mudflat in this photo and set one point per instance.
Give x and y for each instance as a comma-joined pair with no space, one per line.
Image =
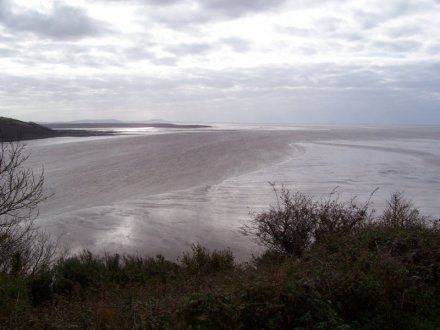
159,193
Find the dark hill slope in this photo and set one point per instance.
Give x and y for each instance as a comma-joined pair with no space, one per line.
12,129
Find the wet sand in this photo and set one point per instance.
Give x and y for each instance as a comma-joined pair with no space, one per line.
153,194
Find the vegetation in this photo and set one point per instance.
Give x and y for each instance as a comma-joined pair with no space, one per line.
328,265
298,222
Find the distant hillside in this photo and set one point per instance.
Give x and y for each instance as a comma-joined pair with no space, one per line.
13,129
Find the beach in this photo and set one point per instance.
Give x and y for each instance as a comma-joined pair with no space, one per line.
161,192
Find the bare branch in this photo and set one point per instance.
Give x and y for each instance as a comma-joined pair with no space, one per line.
23,248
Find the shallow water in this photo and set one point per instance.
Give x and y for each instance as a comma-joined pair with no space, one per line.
160,193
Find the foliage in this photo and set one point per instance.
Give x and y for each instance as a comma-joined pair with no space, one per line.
87,271
381,277
353,272
200,260
400,212
14,296
298,221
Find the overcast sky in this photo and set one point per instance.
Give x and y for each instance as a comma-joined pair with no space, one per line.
276,61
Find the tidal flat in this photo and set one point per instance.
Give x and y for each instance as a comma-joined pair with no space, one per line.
160,191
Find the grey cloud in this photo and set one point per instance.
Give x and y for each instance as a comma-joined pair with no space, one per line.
235,8
195,49
404,31
178,14
328,27
190,49
237,44
421,77
135,53
330,23
325,79
142,54
68,54
77,55
85,60
159,2
295,31
370,18
64,22
399,46
349,35
145,2
361,32
434,49
165,61
2,10
6,52
329,92
414,77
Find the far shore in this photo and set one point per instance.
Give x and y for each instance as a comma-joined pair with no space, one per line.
16,130
122,125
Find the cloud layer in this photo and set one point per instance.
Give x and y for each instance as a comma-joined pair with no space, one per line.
222,60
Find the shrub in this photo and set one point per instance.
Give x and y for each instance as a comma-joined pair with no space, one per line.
40,287
400,212
298,221
86,270
209,311
380,278
13,294
203,261
80,271
140,270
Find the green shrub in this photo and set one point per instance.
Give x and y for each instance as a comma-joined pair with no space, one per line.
380,278
209,311
297,222
141,270
88,271
14,297
41,287
81,271
305,308
203,261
